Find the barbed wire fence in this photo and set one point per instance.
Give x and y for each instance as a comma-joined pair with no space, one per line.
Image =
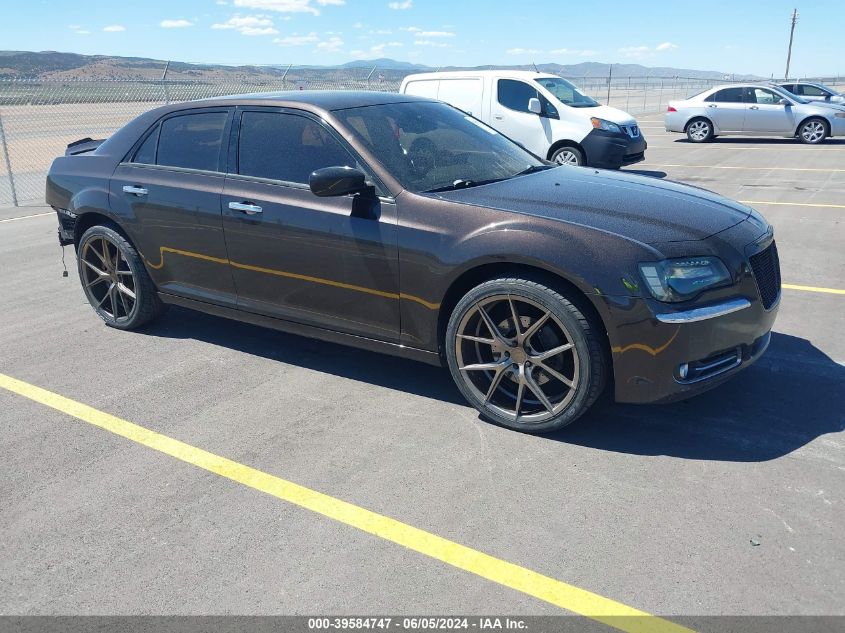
38,118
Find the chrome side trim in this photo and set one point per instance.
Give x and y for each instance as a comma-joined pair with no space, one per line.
704,313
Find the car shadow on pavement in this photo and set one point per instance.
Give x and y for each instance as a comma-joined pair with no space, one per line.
339,360
791,396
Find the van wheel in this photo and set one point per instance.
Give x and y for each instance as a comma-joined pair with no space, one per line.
568,155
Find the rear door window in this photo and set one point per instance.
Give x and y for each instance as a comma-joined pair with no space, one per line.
812,91
146,153
727,95
287,147
192,140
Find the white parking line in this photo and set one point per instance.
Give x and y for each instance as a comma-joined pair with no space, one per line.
26,217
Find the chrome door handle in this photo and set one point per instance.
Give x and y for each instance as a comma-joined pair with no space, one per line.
712,105
134,190
753,108
246,207
498,118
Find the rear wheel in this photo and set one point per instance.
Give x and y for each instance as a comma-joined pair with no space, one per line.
524,355
813,131
700,131
568,155
115,281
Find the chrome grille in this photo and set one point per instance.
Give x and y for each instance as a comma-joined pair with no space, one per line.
766,268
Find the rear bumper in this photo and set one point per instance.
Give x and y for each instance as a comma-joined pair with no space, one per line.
611,151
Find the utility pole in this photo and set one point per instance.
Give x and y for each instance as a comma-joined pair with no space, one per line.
791,33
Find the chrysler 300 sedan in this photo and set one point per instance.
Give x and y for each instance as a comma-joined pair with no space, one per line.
403,225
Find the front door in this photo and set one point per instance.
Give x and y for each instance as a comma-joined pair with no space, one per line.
328,262
168,194
511,117
765,113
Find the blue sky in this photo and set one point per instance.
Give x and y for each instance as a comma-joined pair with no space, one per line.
742,36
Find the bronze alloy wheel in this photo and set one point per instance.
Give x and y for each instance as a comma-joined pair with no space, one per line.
522,360
114,279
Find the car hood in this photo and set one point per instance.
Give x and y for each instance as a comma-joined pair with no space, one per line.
610,114
637,207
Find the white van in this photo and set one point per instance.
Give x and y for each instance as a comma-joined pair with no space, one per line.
546,114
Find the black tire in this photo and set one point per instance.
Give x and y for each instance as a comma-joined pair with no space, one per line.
700,130
110,294
568,155
813,131
565,320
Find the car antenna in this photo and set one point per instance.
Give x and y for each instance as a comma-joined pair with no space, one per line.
537,70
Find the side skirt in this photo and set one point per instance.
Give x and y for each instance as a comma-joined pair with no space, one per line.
373,345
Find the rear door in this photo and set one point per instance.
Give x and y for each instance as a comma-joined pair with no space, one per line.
168,190
326,262
512,117
726,108
765,114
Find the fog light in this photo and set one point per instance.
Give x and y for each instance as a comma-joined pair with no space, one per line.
683,371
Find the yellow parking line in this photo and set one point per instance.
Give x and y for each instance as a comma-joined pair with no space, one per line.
832,291
26,217
556,592
745,168
794,204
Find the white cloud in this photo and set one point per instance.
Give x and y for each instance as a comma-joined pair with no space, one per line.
635,51
358,25
434,34
587,52
523,51
114,28
175,24
666,46
286,6
432,43
410,29
222,3
76,28
296,40
380,32
331,45
375,51
400,6
248,25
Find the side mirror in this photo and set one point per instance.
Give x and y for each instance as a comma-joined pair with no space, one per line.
784,102
337,181
535,106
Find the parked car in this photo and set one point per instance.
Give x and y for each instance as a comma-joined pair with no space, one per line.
403,225
810,91
544,113
753,110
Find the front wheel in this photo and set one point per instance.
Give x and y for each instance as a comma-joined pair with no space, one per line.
568,155
115,281
812,132
524,355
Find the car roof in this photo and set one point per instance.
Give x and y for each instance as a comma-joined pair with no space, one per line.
322,99
520,74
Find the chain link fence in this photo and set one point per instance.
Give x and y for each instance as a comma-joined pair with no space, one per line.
38,118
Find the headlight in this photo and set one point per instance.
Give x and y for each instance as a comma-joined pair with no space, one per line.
682,279
607,126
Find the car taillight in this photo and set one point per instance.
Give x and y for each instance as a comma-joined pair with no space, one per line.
671,109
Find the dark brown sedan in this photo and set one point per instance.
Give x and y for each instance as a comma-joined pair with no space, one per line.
406,226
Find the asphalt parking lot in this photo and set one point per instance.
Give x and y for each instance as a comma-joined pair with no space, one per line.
730,503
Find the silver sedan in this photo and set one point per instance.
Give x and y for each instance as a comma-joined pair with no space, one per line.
810,91
754,110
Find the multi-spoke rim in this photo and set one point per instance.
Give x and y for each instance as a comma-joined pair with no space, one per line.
107,278
699,130
813,131
566,157
517,358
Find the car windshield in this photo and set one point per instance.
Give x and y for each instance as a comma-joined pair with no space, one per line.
434,147
566,93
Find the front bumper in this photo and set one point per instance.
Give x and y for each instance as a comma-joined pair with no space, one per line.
611,151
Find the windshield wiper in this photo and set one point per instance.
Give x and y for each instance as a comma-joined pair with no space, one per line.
533,169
